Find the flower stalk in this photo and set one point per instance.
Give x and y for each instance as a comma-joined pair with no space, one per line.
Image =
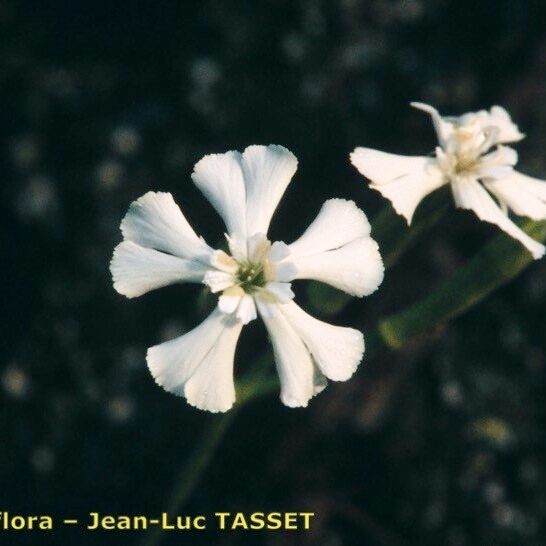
498,262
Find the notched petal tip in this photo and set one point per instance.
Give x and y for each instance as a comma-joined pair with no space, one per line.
119,287
155,221
149,198
292,358
205,162
193,399
199,364
356,268
338,222
271,148
348,209
293,403
267,171
336,350
205,407
219,177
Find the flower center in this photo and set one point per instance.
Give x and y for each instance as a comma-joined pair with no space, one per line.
251,276
465,165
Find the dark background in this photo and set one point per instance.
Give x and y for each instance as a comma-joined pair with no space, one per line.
103,101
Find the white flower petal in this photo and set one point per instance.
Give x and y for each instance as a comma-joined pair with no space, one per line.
404,180
284,271
338,222
246,311
199,364
336,350
237,247
267,172
443,127
498,163
356,268
471,195
172,363
228,303
137,270
279,251
294,365
223,262
281,292
525,195
280,269
155,221
234,301
508,130
211,386
258,247
218,280
220,178
493,172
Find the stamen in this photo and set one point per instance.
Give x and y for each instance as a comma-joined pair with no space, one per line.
251,277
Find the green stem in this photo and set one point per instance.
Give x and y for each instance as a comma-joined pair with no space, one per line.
495,264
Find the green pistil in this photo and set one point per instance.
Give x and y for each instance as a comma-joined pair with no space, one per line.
251,277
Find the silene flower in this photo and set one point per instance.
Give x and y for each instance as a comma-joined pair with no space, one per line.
253,277
473,159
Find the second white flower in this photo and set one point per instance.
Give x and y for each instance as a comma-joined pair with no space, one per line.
473,159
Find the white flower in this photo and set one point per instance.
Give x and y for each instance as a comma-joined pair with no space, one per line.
161,248
473,159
